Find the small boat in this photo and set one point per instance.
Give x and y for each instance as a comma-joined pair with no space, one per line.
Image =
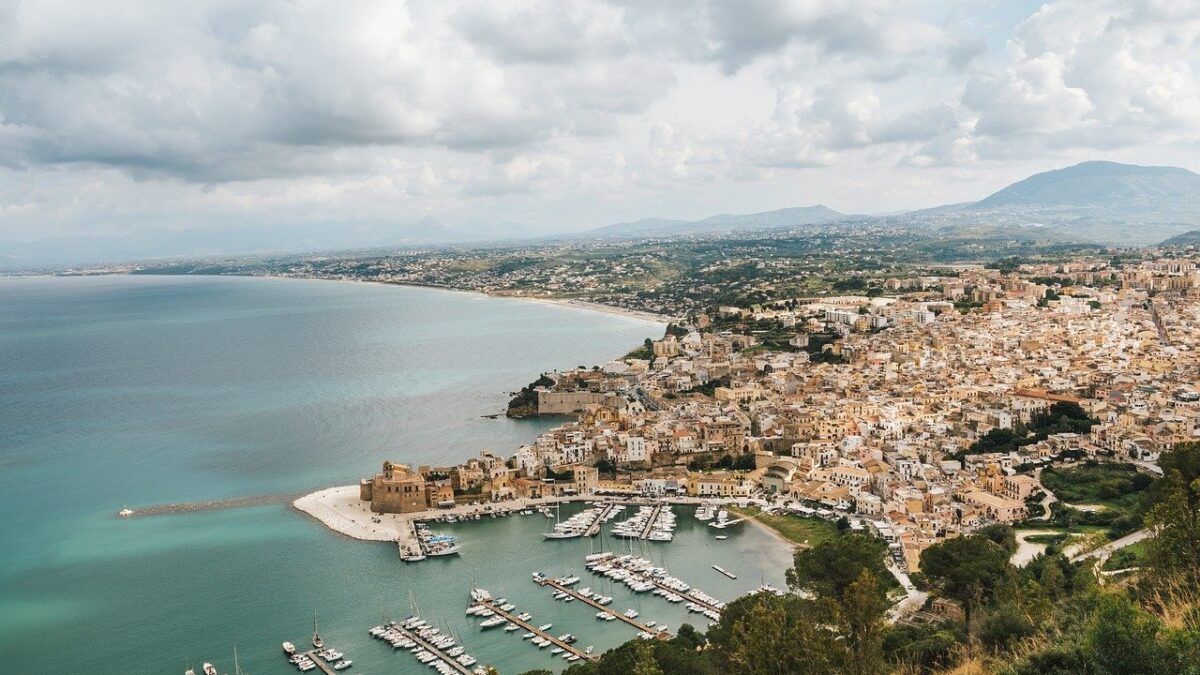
556,650
209,669
342,665
289,648
526,636
492,622
721,537
546,627
511,627
317,642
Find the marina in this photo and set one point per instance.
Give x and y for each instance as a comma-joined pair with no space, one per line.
557,585
483,599
642,575
428,645
653,522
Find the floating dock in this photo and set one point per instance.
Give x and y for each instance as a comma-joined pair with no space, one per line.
321,665
662,635
512,618
650,522
722,570
427,646
601,516
664,587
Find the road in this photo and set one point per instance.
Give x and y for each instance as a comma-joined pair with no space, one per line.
1108,549
913,600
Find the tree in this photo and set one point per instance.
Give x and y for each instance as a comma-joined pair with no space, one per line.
1001,535
1174,514
966,569
764,634
606,466
861,612
828,569
1122,639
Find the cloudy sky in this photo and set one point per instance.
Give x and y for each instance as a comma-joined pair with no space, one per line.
566,114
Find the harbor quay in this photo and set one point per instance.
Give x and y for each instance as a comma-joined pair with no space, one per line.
340,509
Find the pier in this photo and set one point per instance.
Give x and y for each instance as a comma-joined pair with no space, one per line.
662,635
651,521
407,541
512,618
320,662
427,646
210,505
598,523
641,576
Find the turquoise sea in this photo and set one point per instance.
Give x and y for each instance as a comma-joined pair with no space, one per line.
132,391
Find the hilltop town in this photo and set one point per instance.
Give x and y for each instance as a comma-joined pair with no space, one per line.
922,409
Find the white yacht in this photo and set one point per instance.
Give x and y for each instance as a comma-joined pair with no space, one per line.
492,622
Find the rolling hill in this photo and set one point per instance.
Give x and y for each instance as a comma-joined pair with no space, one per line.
724,222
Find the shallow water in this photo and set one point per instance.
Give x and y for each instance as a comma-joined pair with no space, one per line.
133,391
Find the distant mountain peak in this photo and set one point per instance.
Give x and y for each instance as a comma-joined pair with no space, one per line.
1098,184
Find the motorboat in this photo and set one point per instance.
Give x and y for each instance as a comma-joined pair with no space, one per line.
492,622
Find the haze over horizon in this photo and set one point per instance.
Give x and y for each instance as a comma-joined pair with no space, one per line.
325,122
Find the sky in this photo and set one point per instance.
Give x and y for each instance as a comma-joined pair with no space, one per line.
304,118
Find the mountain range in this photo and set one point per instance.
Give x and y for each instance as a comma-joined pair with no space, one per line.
1105,202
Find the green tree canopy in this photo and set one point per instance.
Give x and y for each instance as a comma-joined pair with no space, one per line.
829,569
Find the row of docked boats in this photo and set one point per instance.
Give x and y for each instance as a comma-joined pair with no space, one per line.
641,575
581,523
482,604
428,644
724,521
660,520
304,662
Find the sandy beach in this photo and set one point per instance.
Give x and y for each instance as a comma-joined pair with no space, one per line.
561,302
590,306
340,509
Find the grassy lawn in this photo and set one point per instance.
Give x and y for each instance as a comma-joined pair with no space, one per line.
797,529
1133,555
1047,538
1114,486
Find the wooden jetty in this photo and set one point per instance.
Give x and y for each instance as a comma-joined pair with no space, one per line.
598,523
664,587
428,646
662,635
512,618
321,665
651,520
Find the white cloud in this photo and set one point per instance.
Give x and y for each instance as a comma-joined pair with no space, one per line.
565,113
1098,74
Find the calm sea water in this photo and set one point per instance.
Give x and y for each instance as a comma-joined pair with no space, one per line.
133,391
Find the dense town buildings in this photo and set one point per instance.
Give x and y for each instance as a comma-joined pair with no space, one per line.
883,421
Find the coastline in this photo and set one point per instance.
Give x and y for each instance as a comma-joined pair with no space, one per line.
584,305
589,306
340,510
774,533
